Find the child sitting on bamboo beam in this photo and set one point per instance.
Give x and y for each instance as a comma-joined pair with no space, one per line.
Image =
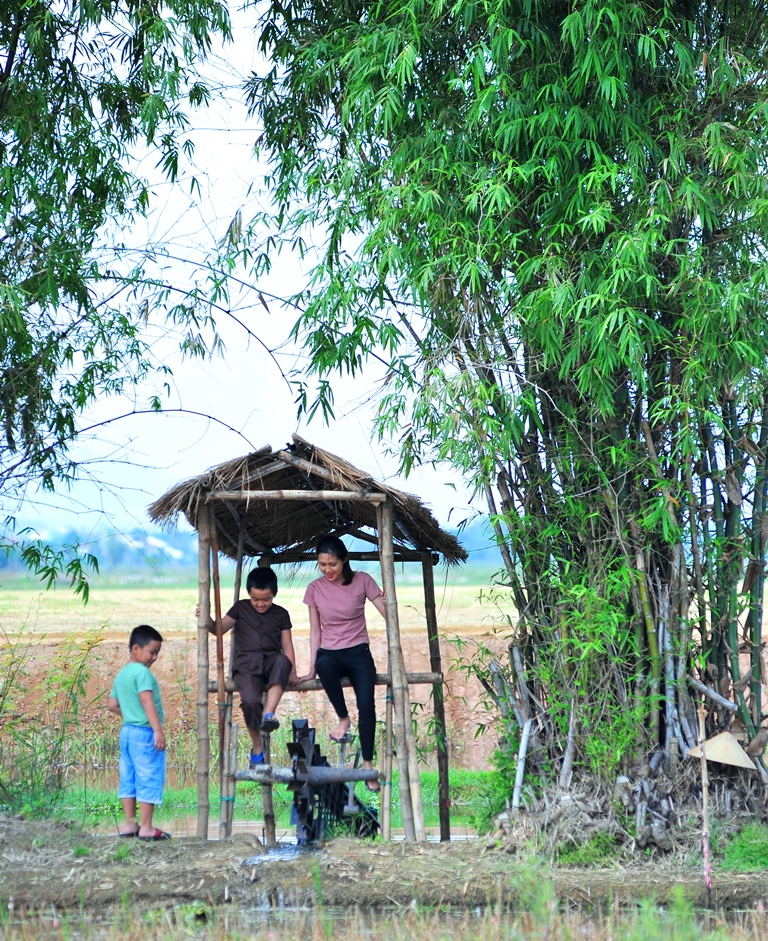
263,655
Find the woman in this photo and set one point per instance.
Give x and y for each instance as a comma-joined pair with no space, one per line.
338,640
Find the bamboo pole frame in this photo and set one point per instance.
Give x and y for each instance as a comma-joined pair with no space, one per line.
204,601
399,729
438,699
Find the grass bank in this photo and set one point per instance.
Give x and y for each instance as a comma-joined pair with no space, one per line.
99,806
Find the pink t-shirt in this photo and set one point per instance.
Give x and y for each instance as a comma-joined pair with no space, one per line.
342,609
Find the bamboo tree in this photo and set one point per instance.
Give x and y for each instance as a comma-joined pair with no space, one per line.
548,222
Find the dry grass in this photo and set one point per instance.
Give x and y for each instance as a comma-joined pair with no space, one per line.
172,609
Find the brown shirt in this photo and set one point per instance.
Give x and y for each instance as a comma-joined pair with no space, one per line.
257,635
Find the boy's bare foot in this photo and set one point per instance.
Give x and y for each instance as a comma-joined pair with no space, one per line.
341,730
130,831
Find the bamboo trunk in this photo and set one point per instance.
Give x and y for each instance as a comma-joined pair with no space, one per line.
705,807
401,703
436,666
204,599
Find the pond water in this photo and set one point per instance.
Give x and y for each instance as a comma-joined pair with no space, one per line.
186,825
547,922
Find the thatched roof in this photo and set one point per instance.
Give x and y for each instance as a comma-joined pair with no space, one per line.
290,528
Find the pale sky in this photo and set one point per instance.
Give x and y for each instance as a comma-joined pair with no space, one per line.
133,461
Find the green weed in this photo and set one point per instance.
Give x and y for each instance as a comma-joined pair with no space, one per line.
599,850
122,851
80,851
748,850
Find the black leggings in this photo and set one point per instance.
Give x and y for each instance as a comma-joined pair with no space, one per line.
356,663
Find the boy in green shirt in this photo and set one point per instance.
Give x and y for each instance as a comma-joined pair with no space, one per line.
135,696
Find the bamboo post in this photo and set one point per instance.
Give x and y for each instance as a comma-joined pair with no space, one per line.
266,790
266,795
230,733
407,759
204,600
233,768
438,698
386,797
221,679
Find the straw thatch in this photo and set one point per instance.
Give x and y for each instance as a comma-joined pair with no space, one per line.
292,528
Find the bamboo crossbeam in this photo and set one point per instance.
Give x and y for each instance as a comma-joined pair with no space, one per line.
313,775
382,679
321,495
274,558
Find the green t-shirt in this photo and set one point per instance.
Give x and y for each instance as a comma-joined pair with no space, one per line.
133,679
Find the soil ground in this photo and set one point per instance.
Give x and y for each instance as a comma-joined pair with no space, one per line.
44,866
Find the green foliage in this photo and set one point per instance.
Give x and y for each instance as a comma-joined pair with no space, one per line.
747,851
495,793
599,850
36,744
82,84
547,226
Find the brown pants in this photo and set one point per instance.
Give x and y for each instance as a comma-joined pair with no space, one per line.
276,670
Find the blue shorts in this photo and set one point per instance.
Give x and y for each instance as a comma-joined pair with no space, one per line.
142,766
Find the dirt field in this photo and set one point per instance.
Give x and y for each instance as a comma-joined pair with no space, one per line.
47,617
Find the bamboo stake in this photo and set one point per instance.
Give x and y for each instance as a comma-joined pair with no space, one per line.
396,671
705,808
438,701
203,743
520,771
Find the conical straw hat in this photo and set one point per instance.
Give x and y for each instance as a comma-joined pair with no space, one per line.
725,749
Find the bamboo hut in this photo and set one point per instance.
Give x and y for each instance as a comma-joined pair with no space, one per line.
272,506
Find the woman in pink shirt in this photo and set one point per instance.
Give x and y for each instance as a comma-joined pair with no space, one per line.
338,640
